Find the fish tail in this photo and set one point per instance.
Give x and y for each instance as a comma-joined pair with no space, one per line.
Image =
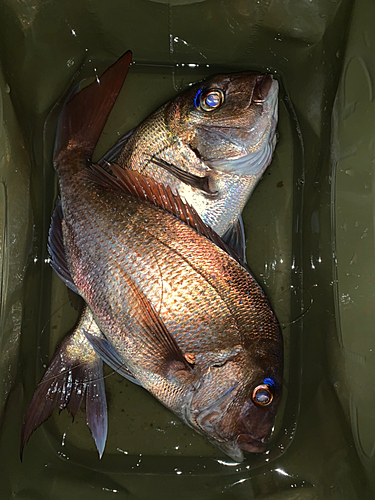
75,370
85,111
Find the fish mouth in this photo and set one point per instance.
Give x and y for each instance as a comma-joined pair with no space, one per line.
262,88
207,424
235,449
248,443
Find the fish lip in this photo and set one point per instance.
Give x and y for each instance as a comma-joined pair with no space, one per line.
271,96
250,444
229,447
235,449
262,88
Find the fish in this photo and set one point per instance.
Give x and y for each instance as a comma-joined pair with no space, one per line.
172,307
211,144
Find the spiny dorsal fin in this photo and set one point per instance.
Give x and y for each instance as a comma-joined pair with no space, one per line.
136,184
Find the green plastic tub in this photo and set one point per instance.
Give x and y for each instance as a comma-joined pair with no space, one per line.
310,242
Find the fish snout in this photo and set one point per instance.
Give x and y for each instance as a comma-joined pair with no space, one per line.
248,443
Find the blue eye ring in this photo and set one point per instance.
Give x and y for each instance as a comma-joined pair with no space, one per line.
210,100
197,98
262,396
269,381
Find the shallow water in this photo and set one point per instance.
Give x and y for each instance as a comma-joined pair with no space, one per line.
292,240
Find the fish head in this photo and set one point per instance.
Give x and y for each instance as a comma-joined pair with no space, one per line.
229,121
235,403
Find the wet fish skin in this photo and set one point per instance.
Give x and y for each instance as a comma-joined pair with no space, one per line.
213,368
213,159
208,303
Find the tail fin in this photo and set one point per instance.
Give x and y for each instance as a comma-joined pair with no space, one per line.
85,112
75,369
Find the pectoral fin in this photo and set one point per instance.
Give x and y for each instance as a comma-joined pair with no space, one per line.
159,348
75,370
204,183
159,344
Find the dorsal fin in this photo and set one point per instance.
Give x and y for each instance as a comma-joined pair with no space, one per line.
136,184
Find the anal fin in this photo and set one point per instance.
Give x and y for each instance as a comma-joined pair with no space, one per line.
56,247
235,238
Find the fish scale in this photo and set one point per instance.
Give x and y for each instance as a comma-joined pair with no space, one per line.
174,261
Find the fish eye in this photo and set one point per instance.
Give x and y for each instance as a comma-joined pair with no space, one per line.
209,101
262,395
